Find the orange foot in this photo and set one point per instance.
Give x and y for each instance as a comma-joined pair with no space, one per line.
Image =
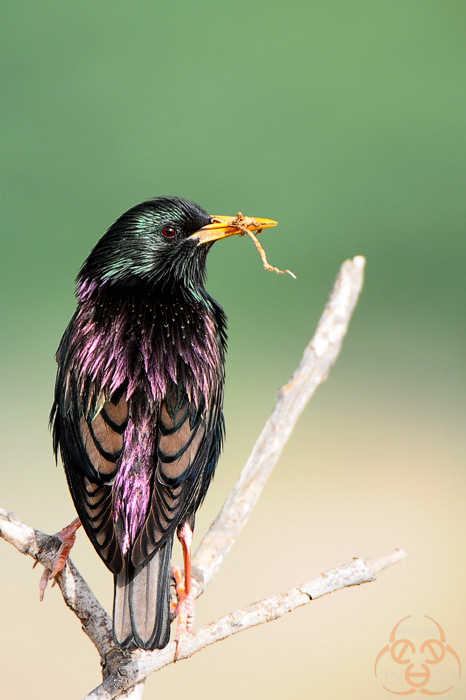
67,537
185,615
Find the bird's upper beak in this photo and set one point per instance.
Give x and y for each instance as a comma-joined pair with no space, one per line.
224,226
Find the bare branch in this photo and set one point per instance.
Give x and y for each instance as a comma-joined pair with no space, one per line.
361,570
318,358
76,593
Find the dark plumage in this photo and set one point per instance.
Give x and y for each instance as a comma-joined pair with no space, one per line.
137,414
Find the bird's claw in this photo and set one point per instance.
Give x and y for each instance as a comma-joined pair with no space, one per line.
185,615
184,609
67,537
44,579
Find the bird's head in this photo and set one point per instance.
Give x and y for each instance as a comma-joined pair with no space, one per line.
161,242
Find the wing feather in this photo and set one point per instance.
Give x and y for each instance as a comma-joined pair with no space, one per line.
91,448
180,459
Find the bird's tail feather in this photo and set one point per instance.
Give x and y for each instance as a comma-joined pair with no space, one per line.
141,605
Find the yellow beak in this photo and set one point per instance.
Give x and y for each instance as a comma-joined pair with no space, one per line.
224,226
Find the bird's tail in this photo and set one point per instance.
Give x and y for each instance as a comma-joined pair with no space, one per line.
141,604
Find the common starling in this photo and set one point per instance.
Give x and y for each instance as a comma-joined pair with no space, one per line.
137,414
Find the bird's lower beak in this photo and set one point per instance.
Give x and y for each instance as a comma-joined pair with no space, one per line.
224,226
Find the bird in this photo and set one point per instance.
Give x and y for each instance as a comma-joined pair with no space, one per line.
137,415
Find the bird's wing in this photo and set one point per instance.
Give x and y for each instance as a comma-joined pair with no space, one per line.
182,466
91,439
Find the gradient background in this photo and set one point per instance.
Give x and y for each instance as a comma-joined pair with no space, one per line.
346,123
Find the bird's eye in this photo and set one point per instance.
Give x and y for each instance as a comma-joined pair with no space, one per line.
169,231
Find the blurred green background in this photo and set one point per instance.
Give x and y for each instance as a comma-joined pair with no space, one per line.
346,123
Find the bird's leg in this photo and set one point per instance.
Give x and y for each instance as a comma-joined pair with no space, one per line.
67,537
185,609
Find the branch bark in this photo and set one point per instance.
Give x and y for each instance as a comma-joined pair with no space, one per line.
76,593
124,672
96,623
